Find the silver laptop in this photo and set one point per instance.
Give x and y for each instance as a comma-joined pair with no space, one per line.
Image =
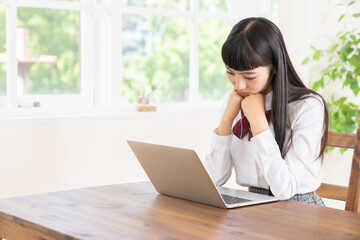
179,172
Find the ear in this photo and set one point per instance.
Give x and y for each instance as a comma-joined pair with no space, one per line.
273,73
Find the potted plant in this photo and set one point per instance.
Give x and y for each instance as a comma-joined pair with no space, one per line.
343,66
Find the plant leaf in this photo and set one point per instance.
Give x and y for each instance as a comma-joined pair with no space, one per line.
334,48
342,150
317,55
334,74
356,15
318,84
305,61
353,61
357,71
356,91
340,101
343,37
341,17
353,105
351,3
354,86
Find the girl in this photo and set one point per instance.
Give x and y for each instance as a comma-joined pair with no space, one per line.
273,129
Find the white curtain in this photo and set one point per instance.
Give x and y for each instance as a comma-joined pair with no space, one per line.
240,9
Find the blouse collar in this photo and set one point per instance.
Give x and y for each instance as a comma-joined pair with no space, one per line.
268,100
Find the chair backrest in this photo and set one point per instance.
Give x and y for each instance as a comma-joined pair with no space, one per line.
350,194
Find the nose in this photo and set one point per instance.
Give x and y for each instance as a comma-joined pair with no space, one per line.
240,83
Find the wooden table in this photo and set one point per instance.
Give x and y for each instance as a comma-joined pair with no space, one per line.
137,211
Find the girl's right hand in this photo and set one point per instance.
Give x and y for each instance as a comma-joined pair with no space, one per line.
231,111
233,106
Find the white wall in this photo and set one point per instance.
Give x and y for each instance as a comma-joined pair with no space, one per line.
51,155
294,24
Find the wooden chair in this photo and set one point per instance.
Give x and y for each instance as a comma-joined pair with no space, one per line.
350,194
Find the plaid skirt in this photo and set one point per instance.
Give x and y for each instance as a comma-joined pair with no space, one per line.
311,197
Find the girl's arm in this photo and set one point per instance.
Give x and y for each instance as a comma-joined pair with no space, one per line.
301,165
231,111
254,110
218,159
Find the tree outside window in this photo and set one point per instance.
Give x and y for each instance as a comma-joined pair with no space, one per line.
48,51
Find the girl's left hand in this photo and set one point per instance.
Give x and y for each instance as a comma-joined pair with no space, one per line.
253,107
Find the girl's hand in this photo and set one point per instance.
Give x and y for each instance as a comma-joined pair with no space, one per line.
253,107
231,111
233,106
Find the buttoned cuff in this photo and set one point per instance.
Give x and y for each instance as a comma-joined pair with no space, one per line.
268,155
265,142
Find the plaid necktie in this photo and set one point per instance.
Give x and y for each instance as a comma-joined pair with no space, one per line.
242,127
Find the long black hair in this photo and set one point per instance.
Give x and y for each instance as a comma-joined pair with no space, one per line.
256,42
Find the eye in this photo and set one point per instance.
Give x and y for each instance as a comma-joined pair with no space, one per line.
249,78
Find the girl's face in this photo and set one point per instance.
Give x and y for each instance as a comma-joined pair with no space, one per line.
257,80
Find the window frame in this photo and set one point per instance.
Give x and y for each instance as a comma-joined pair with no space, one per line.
88,59
100,74
194,15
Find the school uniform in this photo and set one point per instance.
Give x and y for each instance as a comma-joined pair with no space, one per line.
258,162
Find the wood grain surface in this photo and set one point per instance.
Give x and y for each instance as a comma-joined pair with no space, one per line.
137,211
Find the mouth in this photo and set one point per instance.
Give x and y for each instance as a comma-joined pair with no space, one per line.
243,94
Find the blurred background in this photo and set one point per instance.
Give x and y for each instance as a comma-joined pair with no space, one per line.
73,72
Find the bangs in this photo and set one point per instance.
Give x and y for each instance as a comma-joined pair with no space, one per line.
238,54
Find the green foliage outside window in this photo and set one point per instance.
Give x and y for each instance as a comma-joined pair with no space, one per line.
158,60
213,84
156,57
56,33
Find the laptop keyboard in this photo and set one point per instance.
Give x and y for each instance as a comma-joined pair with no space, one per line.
232,200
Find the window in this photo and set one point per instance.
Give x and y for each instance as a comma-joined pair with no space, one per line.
48,51
212,79
53,52
155,57
175,54
182,5
213,6
86,53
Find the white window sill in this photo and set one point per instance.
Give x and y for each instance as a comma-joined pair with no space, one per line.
36,114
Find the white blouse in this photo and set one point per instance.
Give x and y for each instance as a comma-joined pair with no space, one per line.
259,163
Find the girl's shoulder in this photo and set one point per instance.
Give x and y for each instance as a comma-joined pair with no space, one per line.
308,100
309,107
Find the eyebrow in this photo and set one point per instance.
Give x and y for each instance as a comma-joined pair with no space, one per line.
242,73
